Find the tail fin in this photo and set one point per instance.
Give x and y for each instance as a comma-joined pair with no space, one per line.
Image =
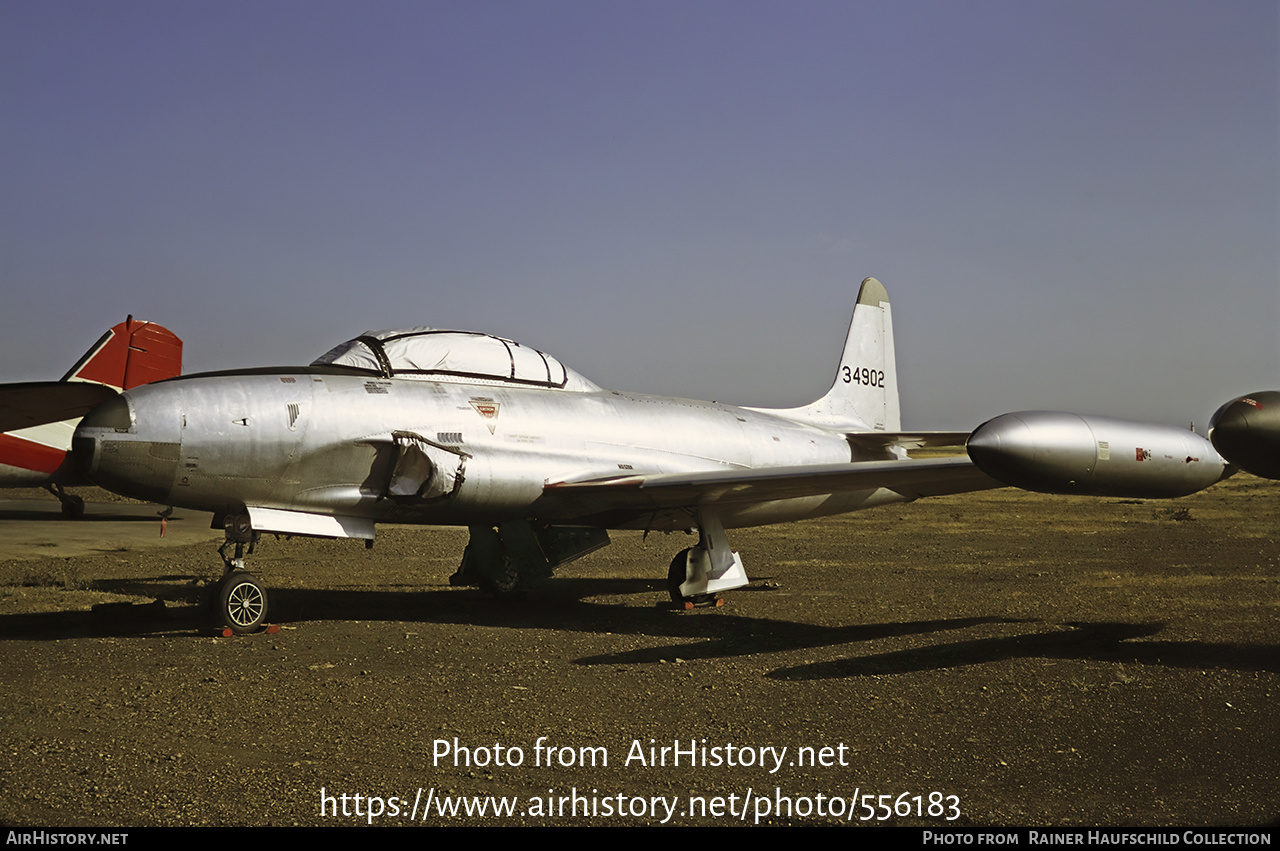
864,395
130,354
42,414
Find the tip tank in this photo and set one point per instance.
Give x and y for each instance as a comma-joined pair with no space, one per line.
1065,453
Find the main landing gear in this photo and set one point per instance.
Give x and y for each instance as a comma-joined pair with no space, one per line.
518,553
677,574
239,599
698,574
72,505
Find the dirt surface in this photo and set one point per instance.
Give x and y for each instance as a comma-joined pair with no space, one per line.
1046,661
106,526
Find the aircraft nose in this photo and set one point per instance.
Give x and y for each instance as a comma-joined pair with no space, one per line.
128,446
1246,431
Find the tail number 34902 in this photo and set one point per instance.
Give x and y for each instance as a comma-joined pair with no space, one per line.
868,377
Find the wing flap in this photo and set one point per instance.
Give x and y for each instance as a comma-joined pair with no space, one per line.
878,441
912,479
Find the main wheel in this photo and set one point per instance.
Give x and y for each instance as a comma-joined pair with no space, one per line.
242,603
72,507
501,578
677,574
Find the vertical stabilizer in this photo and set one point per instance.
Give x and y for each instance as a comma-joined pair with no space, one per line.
864,394
38,419
130,354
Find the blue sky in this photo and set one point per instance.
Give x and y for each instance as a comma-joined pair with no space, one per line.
1073,205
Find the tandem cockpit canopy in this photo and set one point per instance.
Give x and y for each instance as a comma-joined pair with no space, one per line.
462,356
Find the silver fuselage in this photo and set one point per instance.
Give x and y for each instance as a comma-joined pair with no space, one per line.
324,441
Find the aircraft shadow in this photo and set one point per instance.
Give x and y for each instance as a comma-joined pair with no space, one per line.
567,606
54,515
1098,642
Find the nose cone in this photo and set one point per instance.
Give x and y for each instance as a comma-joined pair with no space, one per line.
1036,450
1246,431
130,445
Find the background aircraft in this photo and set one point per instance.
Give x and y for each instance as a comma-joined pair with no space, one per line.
38,419
459,428
1246,431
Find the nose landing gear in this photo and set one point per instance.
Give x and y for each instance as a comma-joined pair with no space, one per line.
239,599
241,602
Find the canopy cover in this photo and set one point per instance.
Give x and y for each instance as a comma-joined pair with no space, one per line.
429,353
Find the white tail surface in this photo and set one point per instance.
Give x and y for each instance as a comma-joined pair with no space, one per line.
864,394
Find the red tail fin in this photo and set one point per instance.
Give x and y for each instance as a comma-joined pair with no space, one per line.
130,354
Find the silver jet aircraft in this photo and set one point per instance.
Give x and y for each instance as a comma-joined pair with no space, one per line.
457,428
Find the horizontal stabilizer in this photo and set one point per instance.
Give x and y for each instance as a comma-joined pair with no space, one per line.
39,402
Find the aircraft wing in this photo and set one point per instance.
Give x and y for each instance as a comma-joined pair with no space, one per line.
39,402
912,479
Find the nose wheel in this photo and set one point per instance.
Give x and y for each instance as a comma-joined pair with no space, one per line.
241,603
239,599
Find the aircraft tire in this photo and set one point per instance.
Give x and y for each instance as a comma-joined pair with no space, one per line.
242,603
504,580
676,574
72,507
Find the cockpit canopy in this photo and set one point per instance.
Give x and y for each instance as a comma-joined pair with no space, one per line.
462,356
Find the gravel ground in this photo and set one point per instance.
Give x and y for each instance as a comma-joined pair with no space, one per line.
991,659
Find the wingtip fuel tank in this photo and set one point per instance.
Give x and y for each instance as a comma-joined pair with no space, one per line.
1064,453
1246,431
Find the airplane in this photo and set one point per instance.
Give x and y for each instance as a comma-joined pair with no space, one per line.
1246,432
427,426
38,419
